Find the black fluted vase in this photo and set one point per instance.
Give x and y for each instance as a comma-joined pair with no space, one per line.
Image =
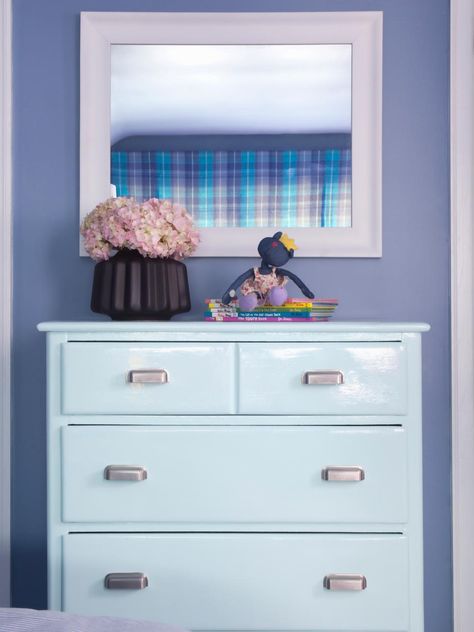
131,287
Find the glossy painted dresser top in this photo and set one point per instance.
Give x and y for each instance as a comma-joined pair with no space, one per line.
189,327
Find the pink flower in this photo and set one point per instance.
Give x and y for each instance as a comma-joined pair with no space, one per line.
156,228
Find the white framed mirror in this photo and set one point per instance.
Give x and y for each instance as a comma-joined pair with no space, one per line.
253,121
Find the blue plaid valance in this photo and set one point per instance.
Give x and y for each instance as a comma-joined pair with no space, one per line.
232,189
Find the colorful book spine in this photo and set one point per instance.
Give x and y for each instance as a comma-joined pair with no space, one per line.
268,319
292,305
289,301
256,314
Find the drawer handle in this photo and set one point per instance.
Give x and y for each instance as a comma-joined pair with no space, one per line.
125,473
343,473
323,377
128,581
154,376
345,582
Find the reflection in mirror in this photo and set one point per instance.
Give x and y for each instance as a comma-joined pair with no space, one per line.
241,135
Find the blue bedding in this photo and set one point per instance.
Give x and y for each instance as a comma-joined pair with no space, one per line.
23,620
243,189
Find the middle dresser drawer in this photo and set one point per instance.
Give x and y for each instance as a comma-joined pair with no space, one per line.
233,475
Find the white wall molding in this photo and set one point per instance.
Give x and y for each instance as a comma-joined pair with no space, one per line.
462,313
5,292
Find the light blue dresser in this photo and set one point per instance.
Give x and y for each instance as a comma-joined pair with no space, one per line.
247,477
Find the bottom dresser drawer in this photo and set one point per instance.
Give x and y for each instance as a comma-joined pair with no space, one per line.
241,581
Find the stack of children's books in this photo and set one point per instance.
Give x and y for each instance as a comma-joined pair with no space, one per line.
293,310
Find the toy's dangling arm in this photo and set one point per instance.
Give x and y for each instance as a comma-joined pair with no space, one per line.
306,291
226,297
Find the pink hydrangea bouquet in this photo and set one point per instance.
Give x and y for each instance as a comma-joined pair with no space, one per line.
155,228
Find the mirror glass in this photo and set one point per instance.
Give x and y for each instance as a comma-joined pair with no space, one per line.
243,136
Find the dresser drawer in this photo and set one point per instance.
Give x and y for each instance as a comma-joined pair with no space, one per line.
242,582
323,378
147,378
234,475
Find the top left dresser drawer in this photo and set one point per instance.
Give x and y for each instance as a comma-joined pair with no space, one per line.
127,378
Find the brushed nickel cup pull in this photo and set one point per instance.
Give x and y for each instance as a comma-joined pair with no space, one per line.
345,582
154,376
125,473
343,473
321,378
128,581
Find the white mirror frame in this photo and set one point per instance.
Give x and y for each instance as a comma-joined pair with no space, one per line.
363,30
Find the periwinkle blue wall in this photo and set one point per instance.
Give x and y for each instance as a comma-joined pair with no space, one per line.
410,282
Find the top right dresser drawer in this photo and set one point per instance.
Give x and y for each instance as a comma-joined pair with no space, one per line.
337,378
